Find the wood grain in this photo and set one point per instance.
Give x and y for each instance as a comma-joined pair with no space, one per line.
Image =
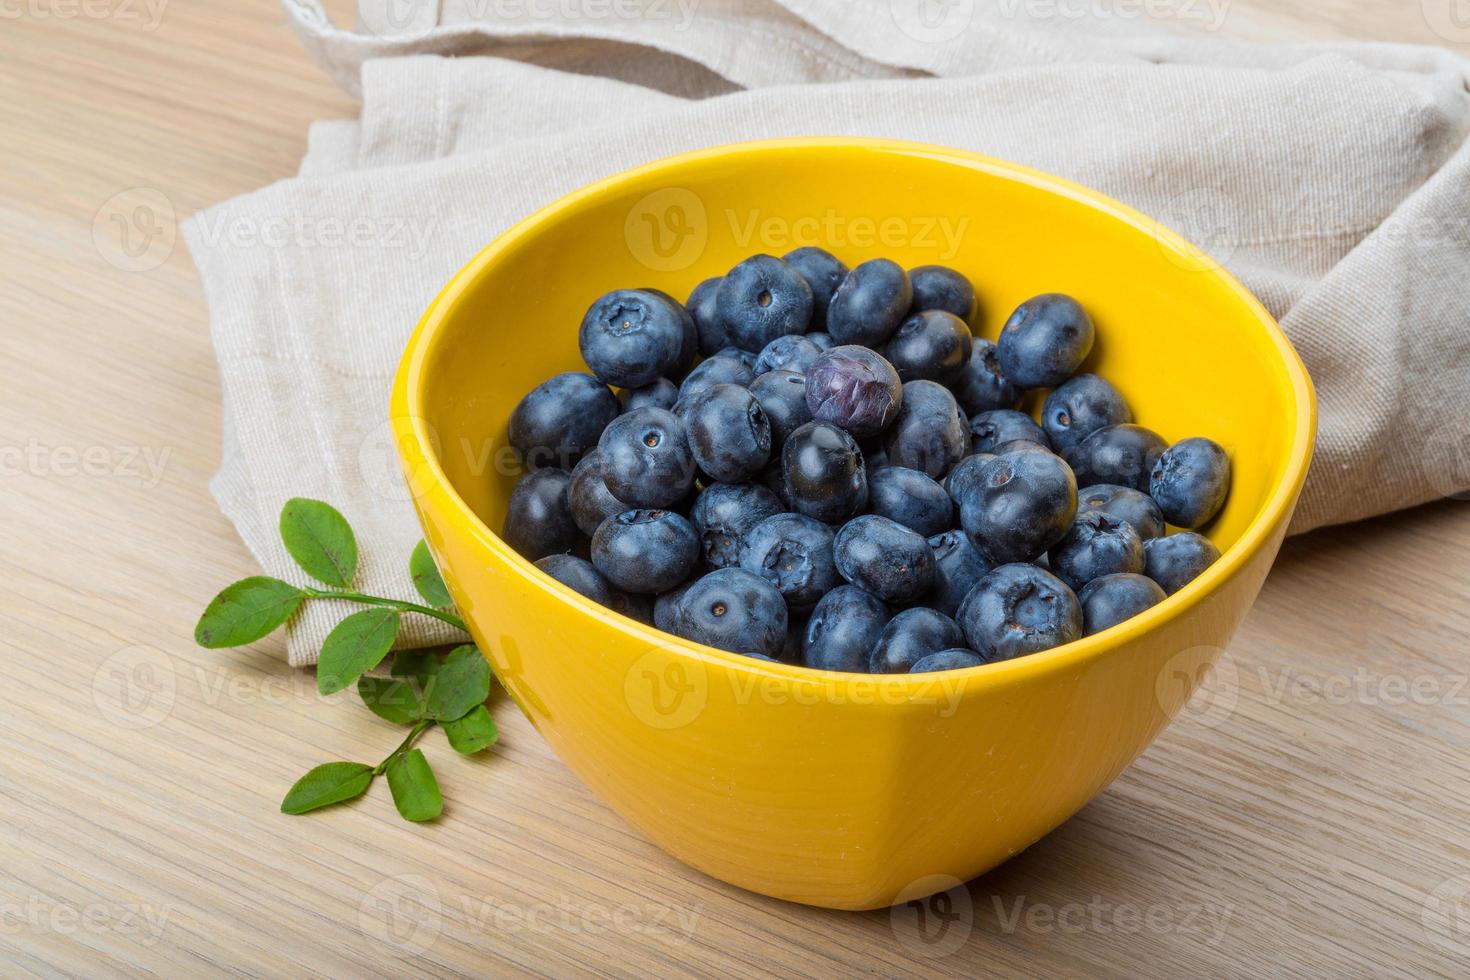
1308,816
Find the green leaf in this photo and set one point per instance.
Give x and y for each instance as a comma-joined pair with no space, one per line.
389,699
461,683
421,665
246,611
334,782
355,646
320,539
426,577
473,732
415,790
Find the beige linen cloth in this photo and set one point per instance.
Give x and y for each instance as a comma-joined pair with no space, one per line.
1334,180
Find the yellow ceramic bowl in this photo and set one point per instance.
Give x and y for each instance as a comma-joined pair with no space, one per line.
843,790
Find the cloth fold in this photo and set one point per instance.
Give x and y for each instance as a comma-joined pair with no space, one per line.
1332,179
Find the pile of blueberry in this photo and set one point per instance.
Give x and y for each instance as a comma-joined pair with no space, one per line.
866,497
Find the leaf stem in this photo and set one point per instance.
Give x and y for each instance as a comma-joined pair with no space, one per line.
375,600
403,746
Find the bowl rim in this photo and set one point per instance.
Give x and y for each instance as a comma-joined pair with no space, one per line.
429,482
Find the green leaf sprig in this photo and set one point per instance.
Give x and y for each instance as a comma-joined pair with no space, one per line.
423,690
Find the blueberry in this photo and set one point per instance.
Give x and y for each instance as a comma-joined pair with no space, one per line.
577,574
724,513
731,609
884,557
843,630
782,395
1177,560
721,369
990,430
632,605
561,419
660,394
590,499
1097,545
965,476
689,349
1125,504
870,304
707,322
538,521
822,271
929,433
1022,504
1079,407
824,472
743,356
645,551
665,607
1111,599
957,567
795,632
761,299
774,480
1189,481
793,553
980,386
792,352
1019,609
632,337
938,287
1118,454
854,388
911,636
728,433
955,659
933,345
910,498
646,460
1020,446
821,338
1045,341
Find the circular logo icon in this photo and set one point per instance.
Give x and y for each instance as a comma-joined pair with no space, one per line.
667,230
1445,460
933,916
1446,915
1200,216
1450,19
403,911
381,462
932,21
665,689
135,687
135,230
1200,684
387,18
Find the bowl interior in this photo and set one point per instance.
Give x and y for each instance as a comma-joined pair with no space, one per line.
1190,350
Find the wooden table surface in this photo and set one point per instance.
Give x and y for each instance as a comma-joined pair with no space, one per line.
1310,813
